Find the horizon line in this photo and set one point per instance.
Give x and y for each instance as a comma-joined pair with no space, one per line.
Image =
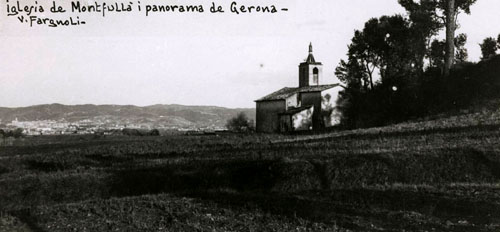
92,104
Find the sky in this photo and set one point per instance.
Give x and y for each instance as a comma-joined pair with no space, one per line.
223,59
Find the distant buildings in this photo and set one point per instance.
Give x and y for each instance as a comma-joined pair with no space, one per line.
52,127
95,125
310,106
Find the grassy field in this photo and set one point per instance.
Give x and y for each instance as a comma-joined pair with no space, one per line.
434,175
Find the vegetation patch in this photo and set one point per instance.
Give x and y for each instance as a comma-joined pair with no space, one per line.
403,177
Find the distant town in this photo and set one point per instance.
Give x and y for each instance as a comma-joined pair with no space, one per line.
87,126
58,119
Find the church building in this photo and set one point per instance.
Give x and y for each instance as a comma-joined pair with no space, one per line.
311,106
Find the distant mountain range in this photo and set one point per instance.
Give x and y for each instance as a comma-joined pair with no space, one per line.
179,116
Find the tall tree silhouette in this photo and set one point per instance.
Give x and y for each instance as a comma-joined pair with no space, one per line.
440,12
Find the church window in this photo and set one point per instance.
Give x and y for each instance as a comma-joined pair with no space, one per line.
315,75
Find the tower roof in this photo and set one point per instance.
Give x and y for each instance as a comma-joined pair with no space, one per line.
310,58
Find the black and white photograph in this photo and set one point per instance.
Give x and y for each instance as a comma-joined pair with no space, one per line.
249,115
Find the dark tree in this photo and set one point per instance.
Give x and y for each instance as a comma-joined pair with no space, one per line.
154,132
361,58
383,50
354,77
131,132
451,9
239,123
488,48
17,133
390,40
352,74
436,54
461,54
383,47
425,24
498,41
444,12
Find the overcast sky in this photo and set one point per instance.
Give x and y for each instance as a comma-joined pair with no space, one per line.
194,59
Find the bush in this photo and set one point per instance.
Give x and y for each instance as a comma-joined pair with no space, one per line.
17,133
137,132
154,132
240,123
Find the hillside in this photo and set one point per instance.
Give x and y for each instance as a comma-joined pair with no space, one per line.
440,174
156,115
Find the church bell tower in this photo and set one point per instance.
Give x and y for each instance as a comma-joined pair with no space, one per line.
310,70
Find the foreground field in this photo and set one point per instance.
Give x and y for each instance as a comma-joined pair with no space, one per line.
408,177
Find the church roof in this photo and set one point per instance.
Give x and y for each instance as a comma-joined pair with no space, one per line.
310,59
286,92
